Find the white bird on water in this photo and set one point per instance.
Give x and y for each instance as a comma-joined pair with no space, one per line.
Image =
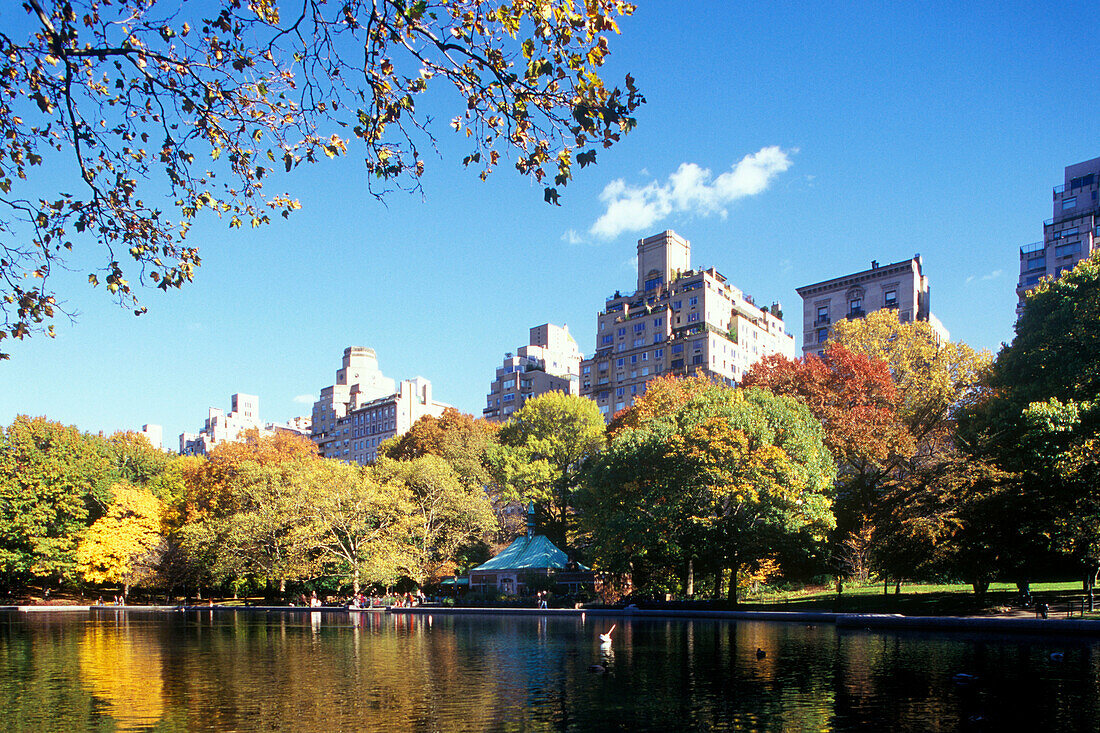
606,638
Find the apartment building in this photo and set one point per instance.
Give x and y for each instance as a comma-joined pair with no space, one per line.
364,408
679,321
1070,235
900,286
550,362
222,426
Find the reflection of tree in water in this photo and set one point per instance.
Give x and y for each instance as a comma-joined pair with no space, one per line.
123,669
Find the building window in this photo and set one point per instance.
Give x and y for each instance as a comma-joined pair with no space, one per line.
693,317
645,356
822,334
607,339
639,327
622,331
657,322
633,358
891,298
855,305
677,348
1069,203
693,300
676,304
653,283
657,338
1065,250
620,362
619,392
587,369
658,353
639,342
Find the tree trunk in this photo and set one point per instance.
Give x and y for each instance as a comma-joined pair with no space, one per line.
689,586
732,595
282,587
125,591
1090,584
718,584
980,587
897,587
355,581
885,585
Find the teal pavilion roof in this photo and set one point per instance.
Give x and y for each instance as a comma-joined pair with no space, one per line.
527,553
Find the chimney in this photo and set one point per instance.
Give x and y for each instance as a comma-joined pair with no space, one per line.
874,264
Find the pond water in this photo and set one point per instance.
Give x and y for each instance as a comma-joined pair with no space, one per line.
113,670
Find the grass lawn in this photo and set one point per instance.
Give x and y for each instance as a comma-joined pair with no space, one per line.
919,599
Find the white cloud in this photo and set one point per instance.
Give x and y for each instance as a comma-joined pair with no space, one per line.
305,399
571,237
690,189
991,276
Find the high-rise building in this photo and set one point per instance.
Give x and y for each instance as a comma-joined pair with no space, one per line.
1070,235
901,286
364,408
679,321
222,426
154,434
549,363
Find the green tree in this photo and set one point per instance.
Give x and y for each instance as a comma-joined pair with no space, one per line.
727,478
448,514
51,480
542,451
124,546
1039,419
165,111
360,525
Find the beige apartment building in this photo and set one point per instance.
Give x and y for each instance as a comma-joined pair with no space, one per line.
365,408
222,426
901,286
550,362
679,321
1070,235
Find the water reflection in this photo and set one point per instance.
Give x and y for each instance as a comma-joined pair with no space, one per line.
320,671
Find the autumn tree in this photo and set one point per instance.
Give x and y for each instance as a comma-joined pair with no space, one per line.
125,545
720,482
51,488
854,397
541,453
360,525
165,111
937,381
448,513
456,437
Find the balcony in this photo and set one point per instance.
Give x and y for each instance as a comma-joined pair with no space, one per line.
856,313
823,321
1028,249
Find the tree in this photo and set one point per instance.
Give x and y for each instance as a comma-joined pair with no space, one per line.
542,451
1039,418
124,545
51,480
726,479
935,378
455,437
854,397
448,514
361,525
165,112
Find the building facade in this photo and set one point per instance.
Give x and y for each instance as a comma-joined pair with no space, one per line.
679,321
364,408
1070,235
900,286
154,434
550,362
222,426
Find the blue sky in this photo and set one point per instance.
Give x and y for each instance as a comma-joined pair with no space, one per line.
887,131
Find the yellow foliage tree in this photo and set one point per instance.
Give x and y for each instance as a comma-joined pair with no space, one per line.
121,546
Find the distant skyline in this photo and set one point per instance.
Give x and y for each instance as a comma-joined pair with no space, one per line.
789,147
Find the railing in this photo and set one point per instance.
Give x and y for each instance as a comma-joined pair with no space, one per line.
856,313
823,321
1033,247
